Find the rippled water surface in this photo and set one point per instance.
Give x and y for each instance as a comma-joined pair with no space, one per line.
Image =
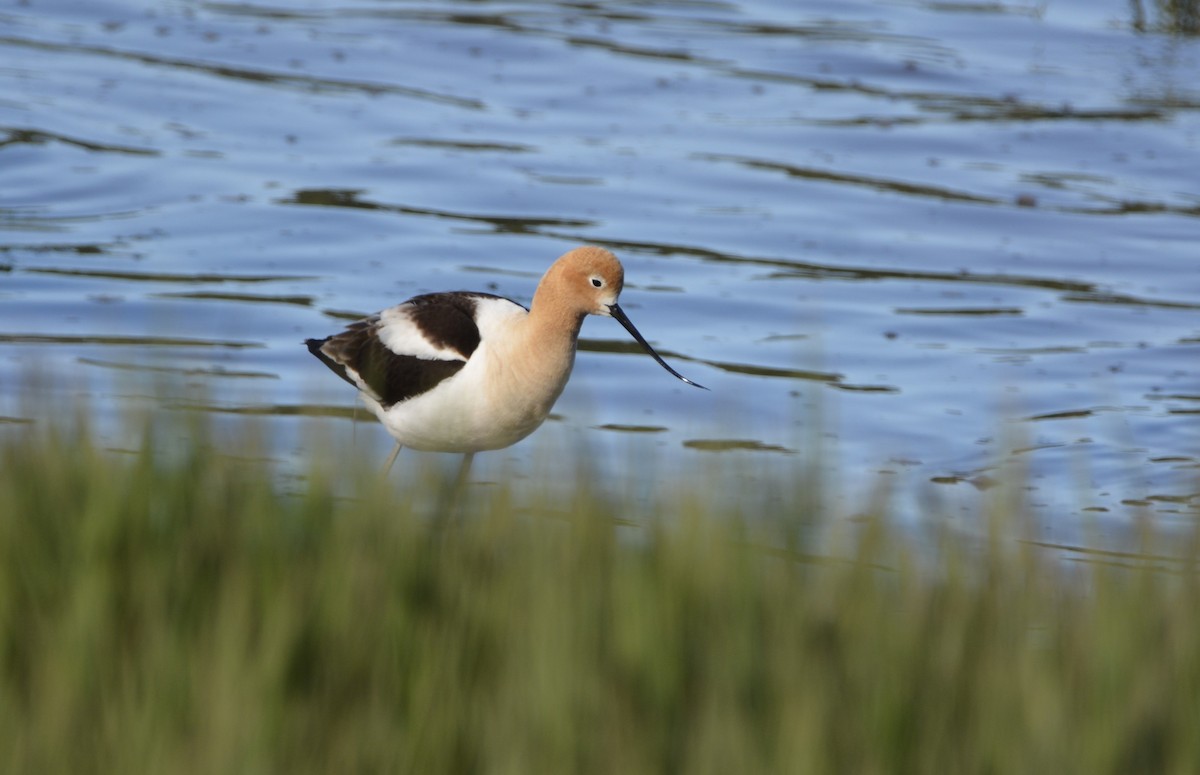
946,239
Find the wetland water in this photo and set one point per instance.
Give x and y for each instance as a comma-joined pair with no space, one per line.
946,239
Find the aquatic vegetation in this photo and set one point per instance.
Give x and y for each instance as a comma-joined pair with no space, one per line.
173,609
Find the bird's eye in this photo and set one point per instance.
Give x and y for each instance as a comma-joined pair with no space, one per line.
597,282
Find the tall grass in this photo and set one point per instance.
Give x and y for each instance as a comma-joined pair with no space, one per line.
171,610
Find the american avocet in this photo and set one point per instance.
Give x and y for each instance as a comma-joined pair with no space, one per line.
467,371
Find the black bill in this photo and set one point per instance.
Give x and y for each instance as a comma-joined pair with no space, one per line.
619,314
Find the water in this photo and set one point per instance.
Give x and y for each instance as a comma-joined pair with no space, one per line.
947,240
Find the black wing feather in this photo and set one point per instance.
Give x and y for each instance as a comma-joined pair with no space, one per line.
446,319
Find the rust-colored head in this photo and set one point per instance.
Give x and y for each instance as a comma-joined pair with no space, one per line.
587,281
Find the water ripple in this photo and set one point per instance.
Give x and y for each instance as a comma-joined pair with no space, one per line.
308,83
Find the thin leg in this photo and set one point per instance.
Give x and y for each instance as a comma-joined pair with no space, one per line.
392,459
454,498
463,469
451,498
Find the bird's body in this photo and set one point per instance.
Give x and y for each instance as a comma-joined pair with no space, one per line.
468,372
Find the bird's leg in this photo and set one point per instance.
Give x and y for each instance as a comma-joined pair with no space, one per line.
391,459
452,497
464,468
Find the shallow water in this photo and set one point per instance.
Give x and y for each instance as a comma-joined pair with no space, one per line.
927,242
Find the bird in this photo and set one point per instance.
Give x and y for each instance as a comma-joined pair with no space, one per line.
467,371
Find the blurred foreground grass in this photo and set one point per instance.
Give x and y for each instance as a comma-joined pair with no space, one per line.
171,610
